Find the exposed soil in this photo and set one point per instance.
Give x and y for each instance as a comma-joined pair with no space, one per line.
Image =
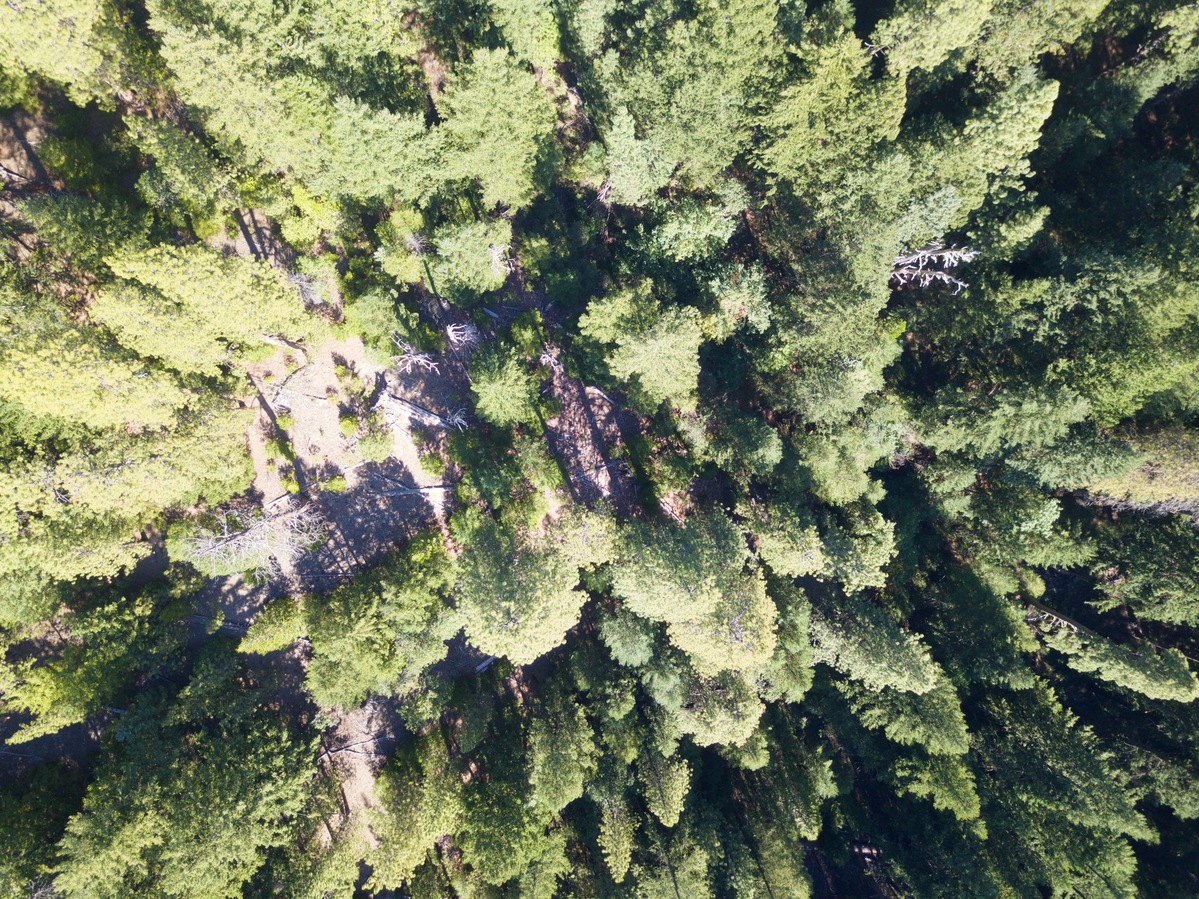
587,436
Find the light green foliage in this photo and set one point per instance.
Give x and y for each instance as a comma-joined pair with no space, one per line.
663,360
857,638
990,153
105,646
56,368
79,517
81,44
691,230
932,720
562,753
421,794
835,113
797,648
504,391
184,171
693,80
204,457
517,594
925,32
472,258
530,28
1158,676
738,634
80,230
1017,33
196,309
503,834
375,445
789,673
1170,470
334,874
787,538
499,130
677,863
274,89
186,806
629,638
276,628
665,784
945,779
618,830
720,710
1006,420
741,294
742,445
679,574
858,546
637,169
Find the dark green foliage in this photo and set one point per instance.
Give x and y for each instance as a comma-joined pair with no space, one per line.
787,413
192,796
380,633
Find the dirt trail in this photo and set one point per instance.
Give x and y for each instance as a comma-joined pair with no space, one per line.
587,435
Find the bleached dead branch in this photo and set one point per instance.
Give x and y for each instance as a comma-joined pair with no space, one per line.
501,263
549,358
411,358
462,335
256,544
929,266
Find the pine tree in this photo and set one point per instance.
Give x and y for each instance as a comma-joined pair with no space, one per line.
504,391
184,171
637,168
195,309
378,634
498,125
1164,676
186,805
517,595
857,638
665,784
562,752
56,368
923,33
658,349
86,45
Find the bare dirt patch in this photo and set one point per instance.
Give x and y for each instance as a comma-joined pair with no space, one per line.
587,435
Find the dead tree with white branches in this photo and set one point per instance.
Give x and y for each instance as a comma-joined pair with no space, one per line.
257,543
462,335
549,358
410,358
931,265
501,262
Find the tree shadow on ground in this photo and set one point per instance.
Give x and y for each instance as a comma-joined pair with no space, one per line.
385,510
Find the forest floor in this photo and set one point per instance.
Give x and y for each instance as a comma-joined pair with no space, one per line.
588,438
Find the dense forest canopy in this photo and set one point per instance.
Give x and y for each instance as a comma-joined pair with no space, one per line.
673,449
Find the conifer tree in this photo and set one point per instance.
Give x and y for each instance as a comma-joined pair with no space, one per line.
186,805
499,130
516,594
194,308
56,368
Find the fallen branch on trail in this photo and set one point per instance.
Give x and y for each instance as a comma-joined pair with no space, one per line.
390,405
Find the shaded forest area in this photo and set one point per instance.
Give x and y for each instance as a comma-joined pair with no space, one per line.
673,449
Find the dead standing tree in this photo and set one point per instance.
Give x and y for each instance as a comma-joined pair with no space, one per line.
410,358
930,265
256,544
